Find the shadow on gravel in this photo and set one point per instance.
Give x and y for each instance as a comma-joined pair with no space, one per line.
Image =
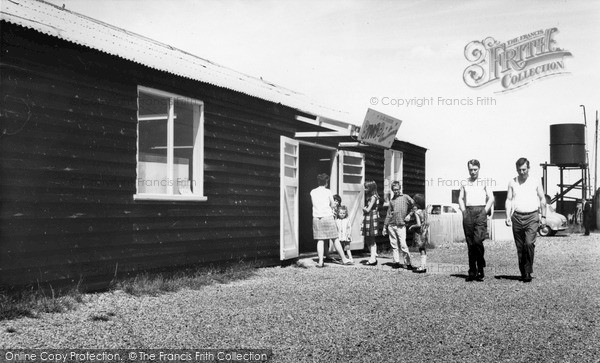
462,276
507,277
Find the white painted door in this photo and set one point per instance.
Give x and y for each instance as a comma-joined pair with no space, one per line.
351,180
288,213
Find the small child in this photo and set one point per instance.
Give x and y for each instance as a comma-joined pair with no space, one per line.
344,230
419,226
328,248
338,201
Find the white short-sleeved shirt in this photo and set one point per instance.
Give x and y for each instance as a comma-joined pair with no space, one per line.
321,202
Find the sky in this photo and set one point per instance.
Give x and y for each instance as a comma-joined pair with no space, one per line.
403,58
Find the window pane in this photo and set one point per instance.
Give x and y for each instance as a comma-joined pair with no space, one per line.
289,229
348,169
186,114
170,141
352,160
352,179
152,148
290,149
289,160
289,172
448,209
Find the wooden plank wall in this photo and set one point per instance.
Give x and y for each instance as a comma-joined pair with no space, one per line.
413,168
69,170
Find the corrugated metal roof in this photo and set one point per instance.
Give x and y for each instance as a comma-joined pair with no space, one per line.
80,29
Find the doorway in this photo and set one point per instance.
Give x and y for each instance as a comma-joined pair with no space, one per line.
312,162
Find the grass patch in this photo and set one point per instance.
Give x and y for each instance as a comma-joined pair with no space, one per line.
33,301
154,284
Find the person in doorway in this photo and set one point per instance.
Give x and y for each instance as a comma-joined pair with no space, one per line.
475,200
524,201
395,225
324,227
370,226
419,226
344,230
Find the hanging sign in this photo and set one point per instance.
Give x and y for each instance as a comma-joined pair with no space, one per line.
379,129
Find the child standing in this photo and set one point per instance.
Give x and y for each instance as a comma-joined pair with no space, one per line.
344,230
370,226
338,201
328,248
417,219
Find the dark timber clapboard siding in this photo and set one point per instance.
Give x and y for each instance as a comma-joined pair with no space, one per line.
413,167
69,169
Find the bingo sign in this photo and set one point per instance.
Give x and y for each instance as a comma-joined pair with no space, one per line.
379,129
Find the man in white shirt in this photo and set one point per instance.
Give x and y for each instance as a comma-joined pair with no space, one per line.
524,200
475,201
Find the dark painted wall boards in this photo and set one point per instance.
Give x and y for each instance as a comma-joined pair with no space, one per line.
69,159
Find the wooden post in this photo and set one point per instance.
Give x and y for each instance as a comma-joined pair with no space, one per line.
596,157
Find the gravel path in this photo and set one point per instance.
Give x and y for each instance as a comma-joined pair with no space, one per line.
351,314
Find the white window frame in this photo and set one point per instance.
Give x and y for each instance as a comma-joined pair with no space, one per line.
198,147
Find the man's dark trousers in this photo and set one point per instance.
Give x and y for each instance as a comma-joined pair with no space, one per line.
525,226
475,227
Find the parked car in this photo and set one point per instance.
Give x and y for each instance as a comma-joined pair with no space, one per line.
442,208
554,222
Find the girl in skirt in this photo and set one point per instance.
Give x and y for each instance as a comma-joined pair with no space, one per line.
370,226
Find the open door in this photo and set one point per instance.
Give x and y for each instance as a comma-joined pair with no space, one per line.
351,180
288,212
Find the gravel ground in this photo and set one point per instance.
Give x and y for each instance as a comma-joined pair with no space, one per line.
348,314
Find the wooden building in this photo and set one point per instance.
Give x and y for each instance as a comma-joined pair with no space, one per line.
122,154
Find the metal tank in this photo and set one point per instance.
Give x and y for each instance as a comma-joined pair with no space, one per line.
567,144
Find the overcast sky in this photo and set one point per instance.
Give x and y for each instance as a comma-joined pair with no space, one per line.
355,55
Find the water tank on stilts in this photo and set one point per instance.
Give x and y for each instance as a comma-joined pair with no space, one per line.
567,144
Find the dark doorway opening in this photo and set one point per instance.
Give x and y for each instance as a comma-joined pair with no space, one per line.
312,161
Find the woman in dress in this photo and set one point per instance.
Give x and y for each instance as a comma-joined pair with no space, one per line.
370,226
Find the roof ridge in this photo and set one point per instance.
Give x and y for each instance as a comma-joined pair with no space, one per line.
48,18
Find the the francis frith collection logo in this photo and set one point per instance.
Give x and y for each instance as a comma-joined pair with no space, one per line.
514,63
